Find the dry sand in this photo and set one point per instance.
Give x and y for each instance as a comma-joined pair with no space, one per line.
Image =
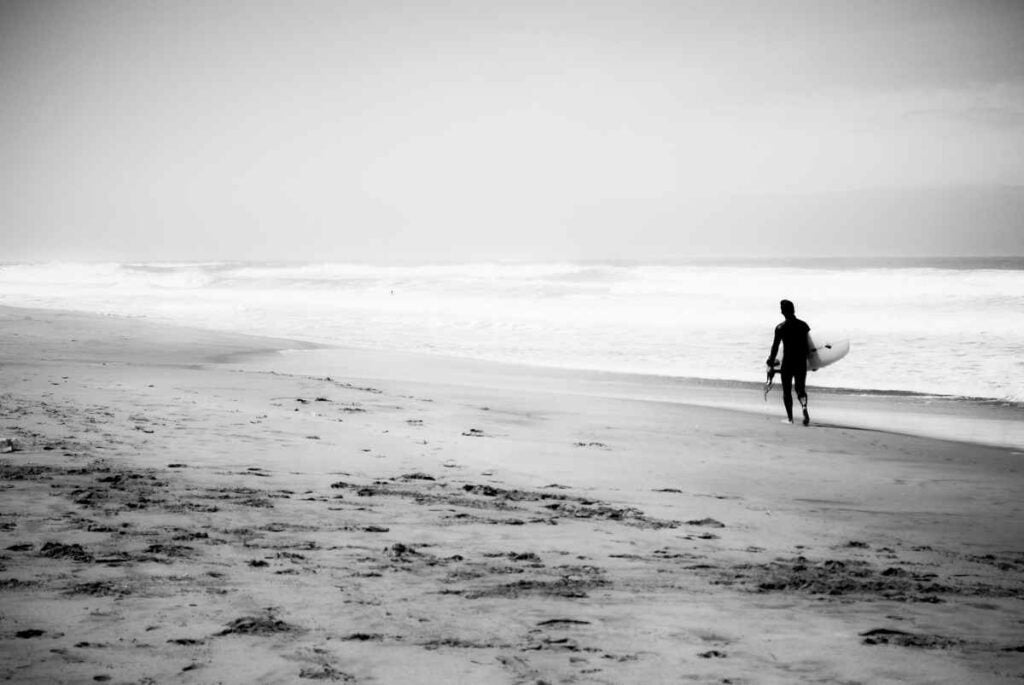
168,518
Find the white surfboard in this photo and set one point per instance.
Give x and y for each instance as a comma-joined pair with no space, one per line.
825,350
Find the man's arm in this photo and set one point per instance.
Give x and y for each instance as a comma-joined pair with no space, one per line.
775,345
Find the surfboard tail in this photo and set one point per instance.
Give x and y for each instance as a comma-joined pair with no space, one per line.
825,351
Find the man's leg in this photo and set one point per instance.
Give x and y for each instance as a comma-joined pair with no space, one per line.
787,393
800,379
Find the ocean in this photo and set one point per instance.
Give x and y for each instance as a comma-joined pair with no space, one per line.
952,327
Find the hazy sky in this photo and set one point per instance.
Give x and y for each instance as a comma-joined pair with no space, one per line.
512,130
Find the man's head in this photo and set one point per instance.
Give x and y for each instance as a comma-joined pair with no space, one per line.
787,308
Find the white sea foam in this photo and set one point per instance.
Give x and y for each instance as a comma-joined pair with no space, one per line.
944,329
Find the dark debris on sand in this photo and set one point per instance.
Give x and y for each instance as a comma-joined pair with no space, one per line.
587,509
58,550
29,633
423,488
835,577
258,625
887,636
568,582
707,522
325,672
100,588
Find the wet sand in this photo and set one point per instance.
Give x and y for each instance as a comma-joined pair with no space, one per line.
980,421
175,509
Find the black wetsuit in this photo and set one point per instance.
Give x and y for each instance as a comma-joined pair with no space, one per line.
792,333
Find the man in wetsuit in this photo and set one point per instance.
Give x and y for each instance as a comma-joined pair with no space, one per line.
792,333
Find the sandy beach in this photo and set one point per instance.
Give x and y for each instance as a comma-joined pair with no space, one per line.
181,505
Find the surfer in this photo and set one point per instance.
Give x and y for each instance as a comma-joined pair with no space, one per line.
792,333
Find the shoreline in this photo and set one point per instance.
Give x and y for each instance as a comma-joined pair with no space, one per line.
167,518
985,421
724,383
